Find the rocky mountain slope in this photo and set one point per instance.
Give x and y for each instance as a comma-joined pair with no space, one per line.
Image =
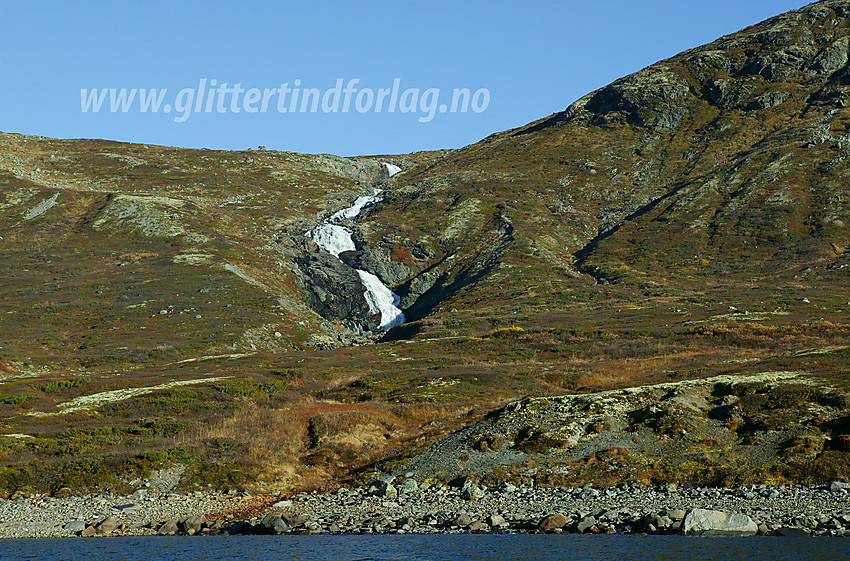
685,222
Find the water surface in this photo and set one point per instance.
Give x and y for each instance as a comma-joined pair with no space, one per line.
428,548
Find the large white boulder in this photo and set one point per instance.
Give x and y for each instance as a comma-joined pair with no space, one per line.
701,522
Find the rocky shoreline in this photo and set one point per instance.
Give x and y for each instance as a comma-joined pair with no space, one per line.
405,506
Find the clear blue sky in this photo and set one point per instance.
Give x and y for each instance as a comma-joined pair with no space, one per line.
534,58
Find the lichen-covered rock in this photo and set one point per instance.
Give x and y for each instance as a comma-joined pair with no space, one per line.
702,522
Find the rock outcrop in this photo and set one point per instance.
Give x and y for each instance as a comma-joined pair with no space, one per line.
333,289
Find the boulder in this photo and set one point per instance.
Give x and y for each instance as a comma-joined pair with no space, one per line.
839,486
89,532
388,491
275,524
193,524
107,526
75,526
586,524
652,523
410,485
471,492
294,520
462,521
496,520
333,289
242,527
552,522
168,528
312,527
675,514
701,522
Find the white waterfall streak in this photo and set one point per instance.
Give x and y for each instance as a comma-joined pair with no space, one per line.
391,169
381,300
336,239
333,238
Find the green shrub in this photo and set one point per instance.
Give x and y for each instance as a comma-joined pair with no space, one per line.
17,399
174,397
274,387
58,385
237,387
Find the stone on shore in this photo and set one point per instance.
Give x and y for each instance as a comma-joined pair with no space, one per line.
472,492
496,520
586,524
294,520
275,523
462,521
389,491
193,524
792,533
168,528
701,522
106,526
410,486
676,514
552,522
75,526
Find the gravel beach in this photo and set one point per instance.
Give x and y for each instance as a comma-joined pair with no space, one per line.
41,517
406,506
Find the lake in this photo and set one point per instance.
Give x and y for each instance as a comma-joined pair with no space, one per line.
428,548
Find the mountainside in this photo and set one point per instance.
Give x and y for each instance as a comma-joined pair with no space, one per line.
722,165
164,306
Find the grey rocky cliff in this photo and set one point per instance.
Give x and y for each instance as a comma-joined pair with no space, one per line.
367,171
756,69
376,260
333,289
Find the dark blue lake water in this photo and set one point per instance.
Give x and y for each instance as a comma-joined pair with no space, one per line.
429,548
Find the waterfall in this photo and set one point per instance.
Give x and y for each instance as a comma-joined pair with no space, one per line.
335,239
